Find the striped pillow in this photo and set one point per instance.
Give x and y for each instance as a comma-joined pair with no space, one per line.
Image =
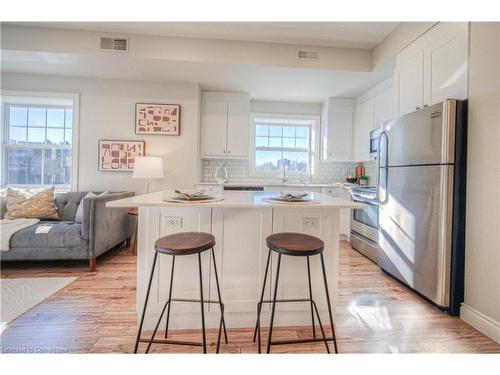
31,204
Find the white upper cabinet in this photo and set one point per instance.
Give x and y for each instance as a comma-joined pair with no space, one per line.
225,125
384,106
238,128
445,63
336,129
365,122
432,68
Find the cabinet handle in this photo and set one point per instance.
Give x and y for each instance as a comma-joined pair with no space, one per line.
417,108
426,105
223,151
229,152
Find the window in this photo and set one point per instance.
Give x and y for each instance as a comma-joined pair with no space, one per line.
282,143
37,143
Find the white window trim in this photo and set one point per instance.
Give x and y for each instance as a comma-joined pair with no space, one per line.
315,139
18,97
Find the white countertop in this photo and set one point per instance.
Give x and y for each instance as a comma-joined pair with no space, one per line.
233,199
246,183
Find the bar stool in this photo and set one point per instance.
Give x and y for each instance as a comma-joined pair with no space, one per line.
181,244
298,245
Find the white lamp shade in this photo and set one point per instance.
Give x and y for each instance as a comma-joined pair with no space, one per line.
148,167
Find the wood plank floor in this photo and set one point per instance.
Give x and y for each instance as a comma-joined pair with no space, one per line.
95,314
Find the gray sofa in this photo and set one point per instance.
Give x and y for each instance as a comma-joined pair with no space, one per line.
101,229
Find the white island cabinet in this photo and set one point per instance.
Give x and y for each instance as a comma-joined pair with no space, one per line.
240,223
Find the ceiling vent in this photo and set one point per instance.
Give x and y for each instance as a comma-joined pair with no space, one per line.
308,54
114,44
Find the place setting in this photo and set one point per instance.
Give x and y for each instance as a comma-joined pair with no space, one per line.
291,198
193,196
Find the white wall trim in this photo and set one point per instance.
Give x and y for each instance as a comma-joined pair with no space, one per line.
481,322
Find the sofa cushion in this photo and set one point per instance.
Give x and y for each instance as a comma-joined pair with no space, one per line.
63,234
67,204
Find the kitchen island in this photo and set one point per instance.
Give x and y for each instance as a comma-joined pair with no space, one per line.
240,223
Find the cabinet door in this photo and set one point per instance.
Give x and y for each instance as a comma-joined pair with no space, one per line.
384,104
238,128
214,133
337,129
408,84
445,63
365,118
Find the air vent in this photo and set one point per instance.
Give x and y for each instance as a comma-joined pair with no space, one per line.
308,55
114,44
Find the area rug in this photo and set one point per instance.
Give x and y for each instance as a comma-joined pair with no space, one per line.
21,295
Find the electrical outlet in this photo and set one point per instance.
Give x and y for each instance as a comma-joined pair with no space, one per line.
310,222
172,222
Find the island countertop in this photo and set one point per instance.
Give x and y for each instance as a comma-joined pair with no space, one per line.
235,199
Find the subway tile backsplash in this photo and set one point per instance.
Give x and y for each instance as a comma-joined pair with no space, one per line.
239,171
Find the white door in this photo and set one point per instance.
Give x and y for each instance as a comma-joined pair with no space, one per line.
445,63
238,129
214,121
337,130
384,104
365,118
408,84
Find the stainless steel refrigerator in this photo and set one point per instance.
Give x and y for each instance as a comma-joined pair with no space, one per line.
421,192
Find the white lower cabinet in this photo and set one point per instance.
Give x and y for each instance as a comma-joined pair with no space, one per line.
345,214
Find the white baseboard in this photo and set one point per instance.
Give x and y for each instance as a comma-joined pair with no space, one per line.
481,322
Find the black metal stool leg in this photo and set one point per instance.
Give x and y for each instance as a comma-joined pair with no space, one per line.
156,327
259,305
311,297
274,304
145,303
202,306
321,328
328,302
170,295
222,323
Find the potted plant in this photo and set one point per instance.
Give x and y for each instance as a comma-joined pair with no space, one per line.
363,180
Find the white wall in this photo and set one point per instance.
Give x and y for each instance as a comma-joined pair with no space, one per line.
481,308
107,110
262,106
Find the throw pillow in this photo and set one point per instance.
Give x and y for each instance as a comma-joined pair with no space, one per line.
79,210
31,204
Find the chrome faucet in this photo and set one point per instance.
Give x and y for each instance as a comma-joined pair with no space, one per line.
284,179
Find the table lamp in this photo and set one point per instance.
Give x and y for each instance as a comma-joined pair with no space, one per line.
148,167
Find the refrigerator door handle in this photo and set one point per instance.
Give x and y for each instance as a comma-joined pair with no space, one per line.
379,141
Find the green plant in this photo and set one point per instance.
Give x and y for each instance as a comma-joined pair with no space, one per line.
363,177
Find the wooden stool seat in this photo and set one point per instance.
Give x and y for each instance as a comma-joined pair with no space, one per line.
185,243
295,244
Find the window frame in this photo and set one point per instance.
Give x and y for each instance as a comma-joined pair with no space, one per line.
39,99
314,139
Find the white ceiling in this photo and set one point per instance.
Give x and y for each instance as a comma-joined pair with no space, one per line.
262,82
363,35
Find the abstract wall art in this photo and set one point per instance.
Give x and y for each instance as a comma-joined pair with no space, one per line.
157,119
119,156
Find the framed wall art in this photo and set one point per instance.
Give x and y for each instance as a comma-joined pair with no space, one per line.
163,119
119,156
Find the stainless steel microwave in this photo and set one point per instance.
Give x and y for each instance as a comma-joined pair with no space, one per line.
373,143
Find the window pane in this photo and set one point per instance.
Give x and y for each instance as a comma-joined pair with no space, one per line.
36,135
288,142
17,135
303,132
298,161
24,167
57,167
18,116
261,142
69,118
68,136
55,117
266,161
261,130
302,143
288,131
275,131
36,117
55,136
274,142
